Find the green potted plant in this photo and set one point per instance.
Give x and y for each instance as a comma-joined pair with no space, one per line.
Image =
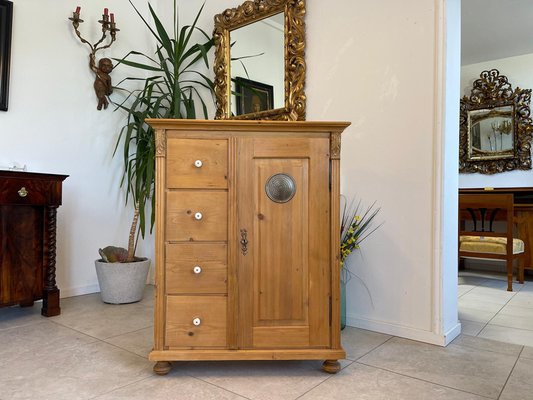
172,90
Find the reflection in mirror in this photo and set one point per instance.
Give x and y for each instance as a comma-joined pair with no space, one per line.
257,66
495,126
491,133
260,61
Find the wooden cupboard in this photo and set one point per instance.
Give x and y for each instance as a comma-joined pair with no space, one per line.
247,241
28,214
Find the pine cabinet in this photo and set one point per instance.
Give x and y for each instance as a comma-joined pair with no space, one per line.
247,241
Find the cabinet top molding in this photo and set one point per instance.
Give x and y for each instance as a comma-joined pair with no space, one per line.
247,125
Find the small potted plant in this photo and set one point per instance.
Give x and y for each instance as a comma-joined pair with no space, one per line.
121,275
172,91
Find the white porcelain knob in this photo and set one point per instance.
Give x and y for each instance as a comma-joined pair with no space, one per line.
196,321
198,216
198,163
197,269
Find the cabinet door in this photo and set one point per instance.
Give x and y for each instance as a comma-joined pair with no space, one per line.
284,272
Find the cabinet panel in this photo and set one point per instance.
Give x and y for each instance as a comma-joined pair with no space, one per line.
284,279
196,268
196,321
21,275
197,163
197,216
281,245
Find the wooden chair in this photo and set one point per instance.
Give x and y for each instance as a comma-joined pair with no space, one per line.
479,216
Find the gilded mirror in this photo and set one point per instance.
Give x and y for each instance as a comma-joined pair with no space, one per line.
260,61
495,126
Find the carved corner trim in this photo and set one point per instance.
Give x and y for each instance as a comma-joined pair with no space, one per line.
335,146
160,143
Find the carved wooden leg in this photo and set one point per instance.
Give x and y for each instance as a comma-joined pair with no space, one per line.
331,366
50,291
162,367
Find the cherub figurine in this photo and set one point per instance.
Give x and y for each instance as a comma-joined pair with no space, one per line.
102,83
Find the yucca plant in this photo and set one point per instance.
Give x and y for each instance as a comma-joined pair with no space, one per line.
169,86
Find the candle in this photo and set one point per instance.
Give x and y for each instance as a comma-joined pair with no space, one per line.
106,11
112,17
78,9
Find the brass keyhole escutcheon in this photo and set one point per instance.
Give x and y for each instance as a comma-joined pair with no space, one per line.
244,242
22,192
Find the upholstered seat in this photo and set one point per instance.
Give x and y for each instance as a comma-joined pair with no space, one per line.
483,244
479,215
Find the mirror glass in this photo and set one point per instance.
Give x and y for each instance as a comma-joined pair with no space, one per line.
258,66
491,133
260,61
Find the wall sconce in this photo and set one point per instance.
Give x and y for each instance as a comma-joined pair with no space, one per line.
102,83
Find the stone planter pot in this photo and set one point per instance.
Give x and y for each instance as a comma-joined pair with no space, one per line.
122,283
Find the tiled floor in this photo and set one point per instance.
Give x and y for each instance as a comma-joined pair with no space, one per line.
487,310
98,351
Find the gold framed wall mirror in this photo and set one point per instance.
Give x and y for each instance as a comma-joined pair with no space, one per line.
495,126
260,61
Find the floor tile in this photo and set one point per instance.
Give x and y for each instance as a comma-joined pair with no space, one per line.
463,289
477,303
37,340
488,345
527,352
80,373
471,328
175,385
514,317
494,293
475,315
260,380
139,342
468,369
485,298
507,334
357,342
95,318
520,384
11,317
522,299
368,383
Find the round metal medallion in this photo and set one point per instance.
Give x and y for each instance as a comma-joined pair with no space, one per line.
280,188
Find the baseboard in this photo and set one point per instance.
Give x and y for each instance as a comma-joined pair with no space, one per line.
452,334
79,291
404,331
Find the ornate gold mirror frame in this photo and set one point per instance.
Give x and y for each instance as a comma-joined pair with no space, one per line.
506,112
245,14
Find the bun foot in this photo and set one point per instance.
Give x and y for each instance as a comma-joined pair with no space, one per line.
162,367
331,366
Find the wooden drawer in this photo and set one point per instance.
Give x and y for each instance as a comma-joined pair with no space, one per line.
197,163
35,192
210,330
196,268
197,216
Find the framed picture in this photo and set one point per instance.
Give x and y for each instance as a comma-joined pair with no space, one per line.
253,96
6,21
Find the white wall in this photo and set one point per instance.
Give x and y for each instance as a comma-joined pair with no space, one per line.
379,65
53,126
518,72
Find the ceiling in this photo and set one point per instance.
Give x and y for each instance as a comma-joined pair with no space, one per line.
493,29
